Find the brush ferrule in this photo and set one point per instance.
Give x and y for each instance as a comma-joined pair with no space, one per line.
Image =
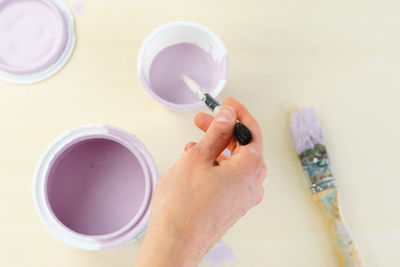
316,166
316,188
211,103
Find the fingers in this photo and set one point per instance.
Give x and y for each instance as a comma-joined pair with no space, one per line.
259,179
262,173
221,158
260,195
244,162
249,166
247,159
219,133
190,145
244,116
203,121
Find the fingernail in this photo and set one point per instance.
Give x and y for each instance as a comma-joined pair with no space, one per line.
225,114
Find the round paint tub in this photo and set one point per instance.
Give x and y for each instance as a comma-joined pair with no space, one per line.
37,39
178,48
92,187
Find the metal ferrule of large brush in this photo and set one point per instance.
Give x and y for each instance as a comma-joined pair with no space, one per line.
317,168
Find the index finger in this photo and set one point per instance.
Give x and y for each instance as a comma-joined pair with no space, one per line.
245,117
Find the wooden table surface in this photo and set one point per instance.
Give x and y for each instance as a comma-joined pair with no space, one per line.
342,57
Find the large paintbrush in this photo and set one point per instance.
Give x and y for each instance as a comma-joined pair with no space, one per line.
310,145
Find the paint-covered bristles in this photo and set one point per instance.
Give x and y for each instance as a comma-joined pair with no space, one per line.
194,86
306,130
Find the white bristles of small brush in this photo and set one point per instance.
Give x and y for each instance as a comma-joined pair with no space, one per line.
194,86
306,130
197,90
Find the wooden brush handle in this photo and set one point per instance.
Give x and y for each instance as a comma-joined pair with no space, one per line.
347,249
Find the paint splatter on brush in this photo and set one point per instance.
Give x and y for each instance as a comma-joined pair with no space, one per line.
221,254
310,146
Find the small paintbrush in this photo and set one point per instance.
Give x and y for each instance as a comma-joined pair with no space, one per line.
310,146
241,132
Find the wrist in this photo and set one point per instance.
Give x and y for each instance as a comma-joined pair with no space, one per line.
164,246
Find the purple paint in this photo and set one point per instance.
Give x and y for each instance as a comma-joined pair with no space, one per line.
306,130
33,35
222,253
172,62
95,186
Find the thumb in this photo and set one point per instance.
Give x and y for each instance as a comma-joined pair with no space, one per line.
219,133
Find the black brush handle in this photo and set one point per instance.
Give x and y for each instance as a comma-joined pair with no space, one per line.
242,133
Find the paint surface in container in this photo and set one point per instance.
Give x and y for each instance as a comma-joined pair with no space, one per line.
95,186
171,63
33,35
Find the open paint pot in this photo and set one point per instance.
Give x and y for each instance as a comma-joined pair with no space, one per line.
180,48
92,187
36,39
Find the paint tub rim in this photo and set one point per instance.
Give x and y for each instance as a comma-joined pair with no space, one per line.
52,69
126,234
159,30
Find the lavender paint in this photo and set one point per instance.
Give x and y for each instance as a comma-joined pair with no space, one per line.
171,63
222,253
95,186
33,35
307,128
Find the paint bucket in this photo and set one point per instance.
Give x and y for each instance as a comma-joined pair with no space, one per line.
175,33
93,185
37,39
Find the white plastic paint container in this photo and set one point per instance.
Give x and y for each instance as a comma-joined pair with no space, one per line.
36,39
174,48
93,185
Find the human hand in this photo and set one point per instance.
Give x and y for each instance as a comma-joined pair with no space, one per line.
205,193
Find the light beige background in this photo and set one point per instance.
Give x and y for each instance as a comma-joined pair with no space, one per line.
342,57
